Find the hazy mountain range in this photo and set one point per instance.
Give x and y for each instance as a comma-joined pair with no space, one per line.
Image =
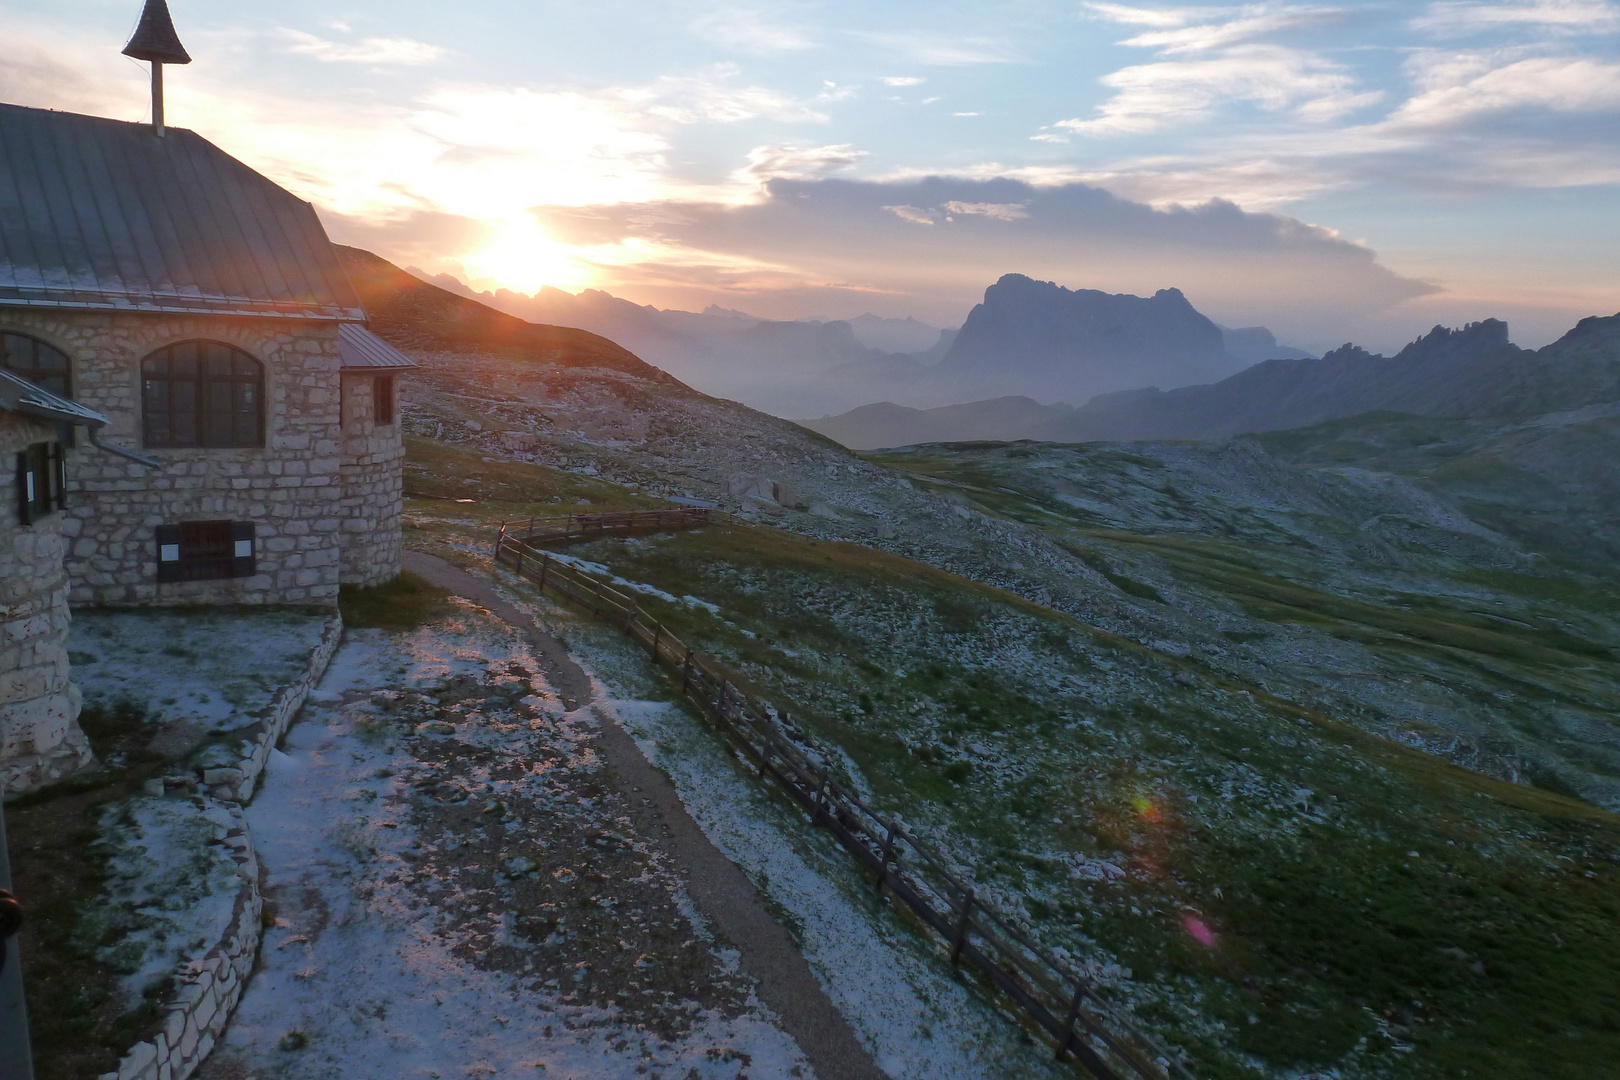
1027,337
1474,371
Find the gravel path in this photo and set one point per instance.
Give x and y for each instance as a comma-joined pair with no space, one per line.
721,891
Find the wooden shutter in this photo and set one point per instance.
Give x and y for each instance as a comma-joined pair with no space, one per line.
206,550
41,481
244,549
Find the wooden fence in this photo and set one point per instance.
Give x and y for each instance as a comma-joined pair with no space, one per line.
1080,1023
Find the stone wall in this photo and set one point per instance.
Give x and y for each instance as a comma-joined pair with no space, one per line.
40,740
230,770
290,488
373,486
206,993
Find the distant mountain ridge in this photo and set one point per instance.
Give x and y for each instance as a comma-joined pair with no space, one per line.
1467,372
1041,340
1027,337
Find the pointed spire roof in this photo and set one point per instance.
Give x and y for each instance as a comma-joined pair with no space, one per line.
155,39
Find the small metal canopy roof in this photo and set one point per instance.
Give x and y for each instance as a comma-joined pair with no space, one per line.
17,394
155,39
365,351
100,214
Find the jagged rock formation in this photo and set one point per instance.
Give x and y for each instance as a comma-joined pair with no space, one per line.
1468,372
1043,341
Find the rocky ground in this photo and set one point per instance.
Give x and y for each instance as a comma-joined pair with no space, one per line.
458,889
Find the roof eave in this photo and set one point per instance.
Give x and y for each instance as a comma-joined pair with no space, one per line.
178,306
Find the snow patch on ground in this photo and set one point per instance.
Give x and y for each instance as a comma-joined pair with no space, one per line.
170,888
365,973
892,987
205,668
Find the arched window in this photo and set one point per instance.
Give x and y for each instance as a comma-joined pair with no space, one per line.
202,393
39,363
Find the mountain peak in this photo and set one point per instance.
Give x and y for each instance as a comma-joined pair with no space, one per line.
1476,338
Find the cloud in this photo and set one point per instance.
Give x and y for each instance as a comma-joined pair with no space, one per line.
1250,23
903,80
967,114
712,95
745,30
914,214
1152,97
994,211
1137,16
865,235
1463,88
945,50
376,50
800,162
1570,16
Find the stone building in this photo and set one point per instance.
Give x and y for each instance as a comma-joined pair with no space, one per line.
201,309
39,738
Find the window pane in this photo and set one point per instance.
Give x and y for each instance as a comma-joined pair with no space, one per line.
183,360
202,394
39,363
155,411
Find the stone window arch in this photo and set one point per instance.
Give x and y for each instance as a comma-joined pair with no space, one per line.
45,366
202,394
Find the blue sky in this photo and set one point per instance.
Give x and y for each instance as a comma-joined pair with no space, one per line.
1335,171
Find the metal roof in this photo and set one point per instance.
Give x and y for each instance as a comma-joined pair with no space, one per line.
103,214
19,395
365,351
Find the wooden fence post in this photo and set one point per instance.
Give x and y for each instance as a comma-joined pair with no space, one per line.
686,672
500,540
658,633
888,857
545,565
959,938
1068,1027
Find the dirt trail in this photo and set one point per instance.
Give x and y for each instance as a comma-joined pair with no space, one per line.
719,888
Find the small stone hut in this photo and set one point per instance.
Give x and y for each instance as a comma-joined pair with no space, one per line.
39,737
200,308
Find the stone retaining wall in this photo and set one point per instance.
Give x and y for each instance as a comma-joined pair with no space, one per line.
208,992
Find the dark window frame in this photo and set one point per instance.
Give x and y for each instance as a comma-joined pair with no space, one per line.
382,399
41,481
204,395
42,364
206,551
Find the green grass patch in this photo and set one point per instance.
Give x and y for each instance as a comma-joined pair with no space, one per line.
403,604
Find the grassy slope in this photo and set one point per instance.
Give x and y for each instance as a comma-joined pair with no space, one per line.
1374,908
1536,649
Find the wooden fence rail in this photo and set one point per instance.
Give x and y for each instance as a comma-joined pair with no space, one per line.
1081,1024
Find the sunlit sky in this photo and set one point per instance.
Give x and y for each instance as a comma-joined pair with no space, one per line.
1333,171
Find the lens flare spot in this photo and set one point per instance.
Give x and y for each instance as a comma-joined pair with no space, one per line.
1149,812
1199,930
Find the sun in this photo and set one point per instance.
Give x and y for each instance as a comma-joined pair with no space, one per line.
523,257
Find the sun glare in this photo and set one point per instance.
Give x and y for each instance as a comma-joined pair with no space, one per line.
523,257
